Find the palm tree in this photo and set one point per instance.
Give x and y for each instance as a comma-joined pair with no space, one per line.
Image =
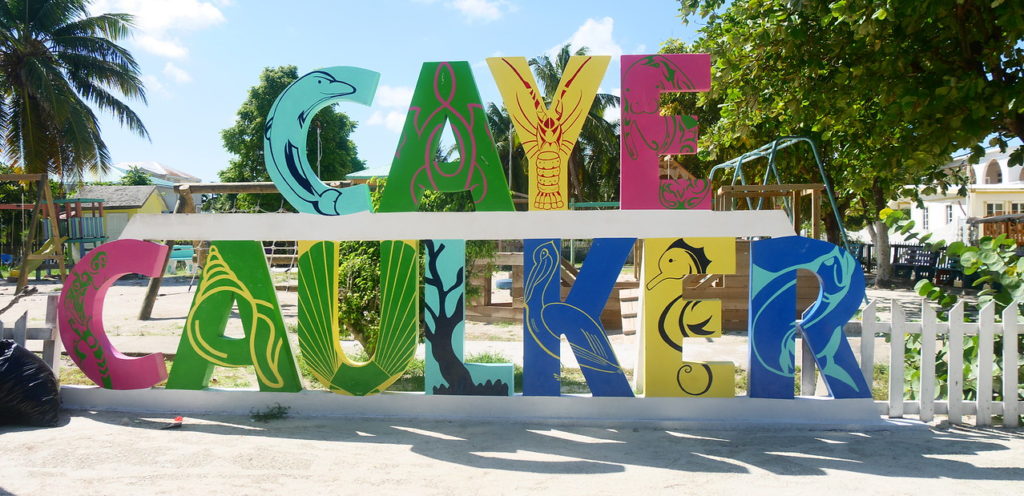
500,124
593,164
56,60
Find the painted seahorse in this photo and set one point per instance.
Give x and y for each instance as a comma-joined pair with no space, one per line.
677,319
284,138
683,318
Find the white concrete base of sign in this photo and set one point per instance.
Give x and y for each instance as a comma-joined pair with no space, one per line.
565,410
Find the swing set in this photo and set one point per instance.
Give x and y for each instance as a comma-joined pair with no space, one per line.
790,194
52,249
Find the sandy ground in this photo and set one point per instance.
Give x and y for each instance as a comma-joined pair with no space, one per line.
103,453
113,453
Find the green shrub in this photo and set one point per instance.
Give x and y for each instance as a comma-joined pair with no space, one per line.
359,269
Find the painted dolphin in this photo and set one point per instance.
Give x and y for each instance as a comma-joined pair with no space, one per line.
284,138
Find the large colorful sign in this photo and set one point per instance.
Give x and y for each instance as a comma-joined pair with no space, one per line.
548,125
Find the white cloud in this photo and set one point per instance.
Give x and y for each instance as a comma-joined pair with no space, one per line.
176,73
477,10
393,96
164,48
596,35
483,63
156,20
159,16
393,120
612,114
154,86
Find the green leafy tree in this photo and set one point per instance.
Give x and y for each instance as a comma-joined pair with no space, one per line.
135,176
331,153
871,82
56,64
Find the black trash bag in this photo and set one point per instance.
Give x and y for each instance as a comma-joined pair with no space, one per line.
29,394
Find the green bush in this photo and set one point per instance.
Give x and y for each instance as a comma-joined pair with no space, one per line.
359,269
997,270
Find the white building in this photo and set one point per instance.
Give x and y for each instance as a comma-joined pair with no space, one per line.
161,176
994,189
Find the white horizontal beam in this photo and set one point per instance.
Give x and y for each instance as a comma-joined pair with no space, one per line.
913,407
564,410
366,226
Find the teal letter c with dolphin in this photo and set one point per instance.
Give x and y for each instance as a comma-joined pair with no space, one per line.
284,138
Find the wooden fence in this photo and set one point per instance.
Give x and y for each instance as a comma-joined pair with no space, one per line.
933,333
1012,230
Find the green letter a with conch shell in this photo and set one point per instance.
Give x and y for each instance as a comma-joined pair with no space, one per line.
236,273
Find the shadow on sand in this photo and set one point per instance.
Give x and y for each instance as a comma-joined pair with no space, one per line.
913,451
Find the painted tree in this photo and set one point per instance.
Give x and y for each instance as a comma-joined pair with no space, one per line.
882,89
57,64
440,326
331,152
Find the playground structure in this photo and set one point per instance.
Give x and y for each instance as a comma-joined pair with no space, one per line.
739,188
35,263
80,223
733,289
55,250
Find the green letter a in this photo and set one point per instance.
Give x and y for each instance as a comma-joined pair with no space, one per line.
235,272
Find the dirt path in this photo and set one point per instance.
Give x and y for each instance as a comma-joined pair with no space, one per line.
112,453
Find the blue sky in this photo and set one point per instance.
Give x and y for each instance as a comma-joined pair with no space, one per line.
199,58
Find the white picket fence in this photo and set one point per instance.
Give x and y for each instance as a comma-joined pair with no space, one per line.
930,329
